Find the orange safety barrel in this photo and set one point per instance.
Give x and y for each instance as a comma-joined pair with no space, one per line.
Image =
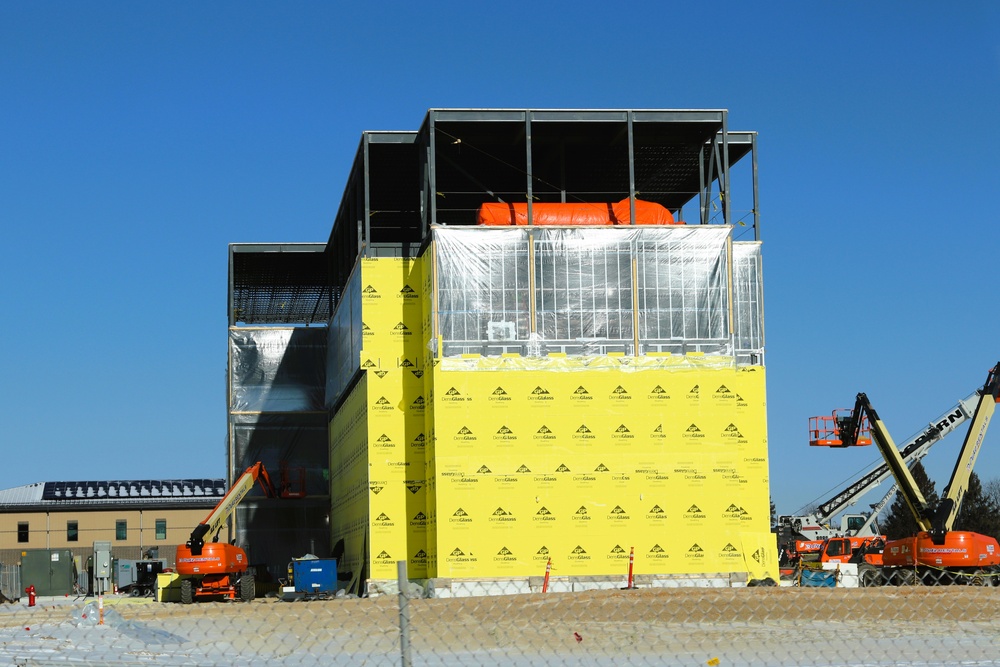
825,431
498,214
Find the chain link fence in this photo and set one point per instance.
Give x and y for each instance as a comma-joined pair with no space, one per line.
10,582
811,618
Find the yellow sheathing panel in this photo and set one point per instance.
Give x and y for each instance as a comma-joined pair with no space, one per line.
584,464
759,555
391,313
392,354
487,467
426,446
349,512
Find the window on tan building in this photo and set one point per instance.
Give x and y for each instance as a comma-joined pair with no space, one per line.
121,529
161,529
22,531
72,531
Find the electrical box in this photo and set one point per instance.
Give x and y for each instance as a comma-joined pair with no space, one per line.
50,571
102,566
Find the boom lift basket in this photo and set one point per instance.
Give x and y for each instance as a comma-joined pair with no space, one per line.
292,482
827,430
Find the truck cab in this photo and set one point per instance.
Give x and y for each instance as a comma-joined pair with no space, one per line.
852,550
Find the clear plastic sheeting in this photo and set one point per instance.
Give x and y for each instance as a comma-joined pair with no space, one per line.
591,291
748,300
583,289
277,370
683,290
344,340
482,289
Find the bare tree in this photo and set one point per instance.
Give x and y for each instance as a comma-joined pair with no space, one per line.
992,491
979,513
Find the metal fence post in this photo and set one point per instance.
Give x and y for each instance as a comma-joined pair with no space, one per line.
404,615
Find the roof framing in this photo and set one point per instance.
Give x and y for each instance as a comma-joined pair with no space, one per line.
402,182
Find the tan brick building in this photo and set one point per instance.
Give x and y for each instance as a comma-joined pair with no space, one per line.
133,515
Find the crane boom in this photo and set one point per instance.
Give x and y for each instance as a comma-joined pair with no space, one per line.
876,510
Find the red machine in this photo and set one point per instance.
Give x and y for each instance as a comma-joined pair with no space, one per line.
936,547
852,550
215,568
960,548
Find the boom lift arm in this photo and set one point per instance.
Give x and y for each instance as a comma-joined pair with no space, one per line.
947,509
217,517
850,430
936,521
914,450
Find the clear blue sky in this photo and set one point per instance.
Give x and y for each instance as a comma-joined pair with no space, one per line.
138,139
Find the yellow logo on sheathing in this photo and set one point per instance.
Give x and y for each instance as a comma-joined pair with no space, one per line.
696,551
659,393
619,393
544,433
656,512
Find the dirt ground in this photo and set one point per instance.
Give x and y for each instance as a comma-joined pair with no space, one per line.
905,625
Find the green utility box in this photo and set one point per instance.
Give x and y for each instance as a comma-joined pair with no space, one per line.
50,571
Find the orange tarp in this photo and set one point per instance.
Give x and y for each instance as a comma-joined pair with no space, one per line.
573,214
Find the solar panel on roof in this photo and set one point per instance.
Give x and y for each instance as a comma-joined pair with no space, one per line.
96,490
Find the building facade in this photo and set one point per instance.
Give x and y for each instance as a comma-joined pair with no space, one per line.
521,366
135,516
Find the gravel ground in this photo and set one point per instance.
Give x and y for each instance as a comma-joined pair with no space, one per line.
755,626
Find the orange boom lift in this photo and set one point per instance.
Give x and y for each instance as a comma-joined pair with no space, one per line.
936,547
216,568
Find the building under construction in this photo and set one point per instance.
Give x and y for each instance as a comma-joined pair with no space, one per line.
532,336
